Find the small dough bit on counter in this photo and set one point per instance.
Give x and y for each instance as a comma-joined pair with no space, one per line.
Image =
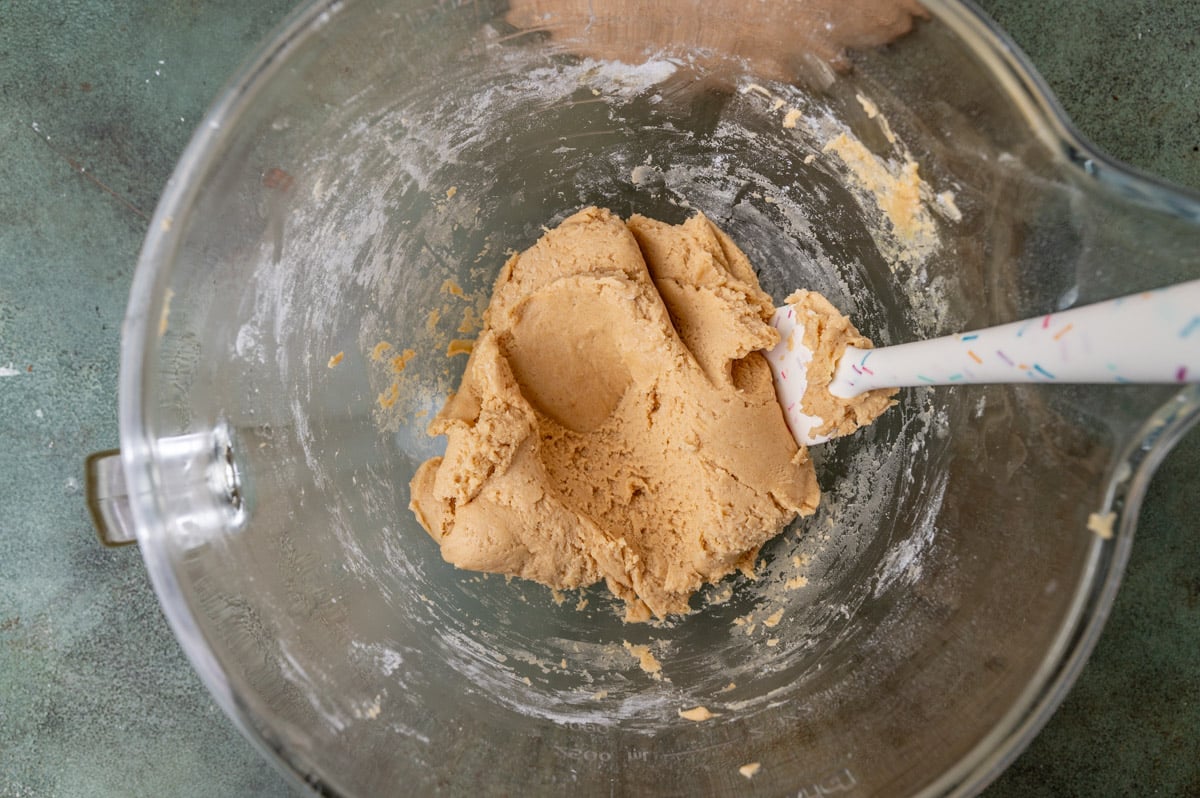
616,420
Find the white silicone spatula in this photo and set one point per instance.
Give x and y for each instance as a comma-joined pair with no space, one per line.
1152,337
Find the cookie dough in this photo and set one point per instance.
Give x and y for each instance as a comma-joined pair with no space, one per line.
616,421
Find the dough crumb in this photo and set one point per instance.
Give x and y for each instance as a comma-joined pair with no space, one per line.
646,659
773,619
164,318
749,568
643,174
795,583
1102,524
772,642
750,769
450,192
791,118
896,189
452,288
871,109
460,346
886,127
470,322
557,597
600,695
400,361
380,350
582,605
388,398
728,687
696,714
333,361
945,201
721,596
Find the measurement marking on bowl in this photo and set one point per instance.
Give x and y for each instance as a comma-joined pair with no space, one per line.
601,759
834,782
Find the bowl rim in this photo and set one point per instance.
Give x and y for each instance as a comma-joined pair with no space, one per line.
1094,595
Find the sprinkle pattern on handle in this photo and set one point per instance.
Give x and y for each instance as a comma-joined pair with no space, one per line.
1152,337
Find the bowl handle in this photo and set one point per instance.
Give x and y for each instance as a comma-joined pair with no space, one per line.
107,499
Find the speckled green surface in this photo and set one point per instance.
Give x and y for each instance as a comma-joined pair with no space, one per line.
97,100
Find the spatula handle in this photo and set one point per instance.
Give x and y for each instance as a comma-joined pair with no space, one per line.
1152,337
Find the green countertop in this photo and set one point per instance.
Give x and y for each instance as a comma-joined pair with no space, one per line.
97,100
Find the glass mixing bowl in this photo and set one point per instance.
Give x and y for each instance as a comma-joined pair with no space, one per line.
353,194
